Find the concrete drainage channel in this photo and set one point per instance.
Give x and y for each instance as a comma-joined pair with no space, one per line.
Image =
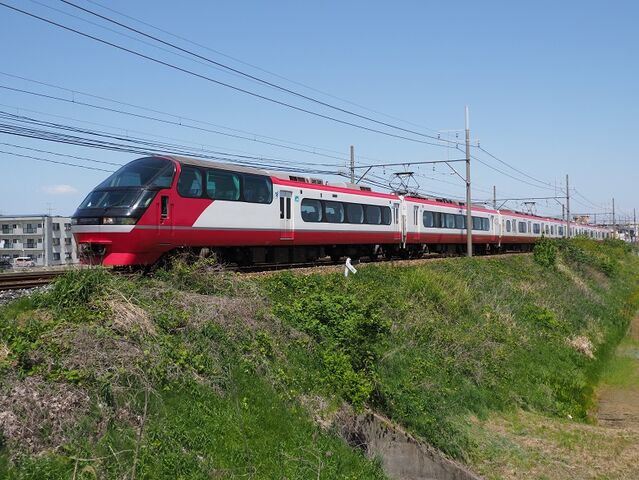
403,457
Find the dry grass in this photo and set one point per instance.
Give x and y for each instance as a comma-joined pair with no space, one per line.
127,318
36,415
583,345
579,283
535,447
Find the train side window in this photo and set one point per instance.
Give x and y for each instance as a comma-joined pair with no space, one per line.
508,226
429,219
386,215
437,220
190,182
450,220
222,185
476,223
333,212
521,227
373,215
460,221
485,224
354,213
311,210
257,189
536,229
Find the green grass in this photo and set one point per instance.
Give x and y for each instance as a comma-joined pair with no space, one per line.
220,367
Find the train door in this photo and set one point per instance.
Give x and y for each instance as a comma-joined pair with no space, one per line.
416,221
396,223
286,215
165,222
404,223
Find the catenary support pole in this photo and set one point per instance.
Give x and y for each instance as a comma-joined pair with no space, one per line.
494,197
614,222
634,222
469,218
567,208
352,164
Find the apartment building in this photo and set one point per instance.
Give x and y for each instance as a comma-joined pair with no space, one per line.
46,239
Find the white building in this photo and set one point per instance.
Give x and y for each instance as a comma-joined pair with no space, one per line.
46,239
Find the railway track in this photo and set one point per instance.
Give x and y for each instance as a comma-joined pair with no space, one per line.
16,281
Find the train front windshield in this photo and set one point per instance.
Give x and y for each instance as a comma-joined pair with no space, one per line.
145,172
129,190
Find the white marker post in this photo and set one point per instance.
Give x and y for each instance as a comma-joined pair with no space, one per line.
349,267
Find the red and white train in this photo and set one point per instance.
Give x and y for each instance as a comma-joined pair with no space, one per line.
157,205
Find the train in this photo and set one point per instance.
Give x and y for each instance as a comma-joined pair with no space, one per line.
158,205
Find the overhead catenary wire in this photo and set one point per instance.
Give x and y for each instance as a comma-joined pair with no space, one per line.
40,159
127,132
247,75
131,144
263,70
514,168
181,118
217,82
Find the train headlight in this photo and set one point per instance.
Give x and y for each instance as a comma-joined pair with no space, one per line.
118,221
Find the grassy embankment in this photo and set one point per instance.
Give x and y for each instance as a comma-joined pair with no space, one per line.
204,374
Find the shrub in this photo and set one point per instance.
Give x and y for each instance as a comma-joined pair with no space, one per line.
545,252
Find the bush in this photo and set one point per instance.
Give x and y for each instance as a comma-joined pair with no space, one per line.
545,252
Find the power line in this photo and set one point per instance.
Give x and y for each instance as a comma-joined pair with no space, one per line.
133,144
513,168
248,75
509,175
256,67
217,82
40,159
60,154
127,131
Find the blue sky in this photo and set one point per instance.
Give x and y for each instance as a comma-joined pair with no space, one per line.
551,86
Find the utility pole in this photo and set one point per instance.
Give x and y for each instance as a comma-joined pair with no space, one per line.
352,164
567,208
494,197
563,211
469,218
614,222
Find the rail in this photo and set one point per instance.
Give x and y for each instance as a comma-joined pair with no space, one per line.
16,281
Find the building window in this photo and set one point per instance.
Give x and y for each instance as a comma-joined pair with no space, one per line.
67,241
6,229
56,227
56,256
67,256
29,228
67,226
55,242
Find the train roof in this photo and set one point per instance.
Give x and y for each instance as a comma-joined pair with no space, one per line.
296,177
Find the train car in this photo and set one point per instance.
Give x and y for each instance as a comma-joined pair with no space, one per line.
158,205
